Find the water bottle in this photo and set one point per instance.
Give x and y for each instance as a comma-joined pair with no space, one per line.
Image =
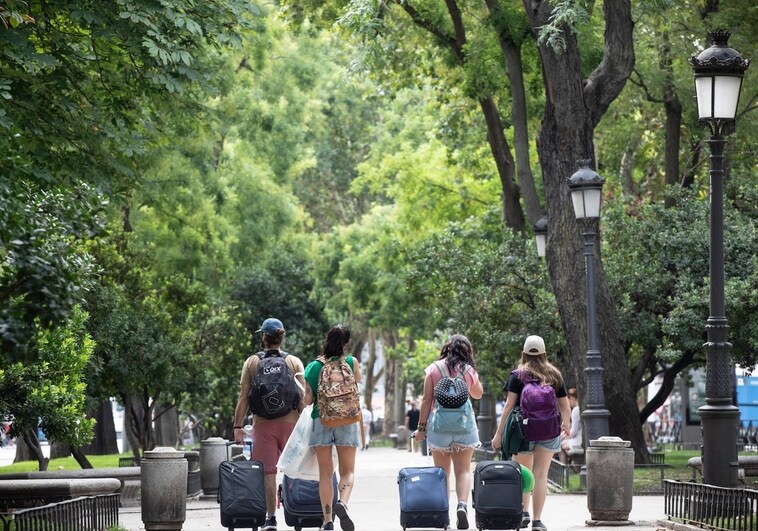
247,441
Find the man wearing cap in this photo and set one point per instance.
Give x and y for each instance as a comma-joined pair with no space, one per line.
269,435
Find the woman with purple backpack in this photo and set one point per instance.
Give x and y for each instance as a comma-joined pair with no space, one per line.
537,387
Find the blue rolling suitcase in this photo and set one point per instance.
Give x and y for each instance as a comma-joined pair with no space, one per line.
497,495
423,497
301,502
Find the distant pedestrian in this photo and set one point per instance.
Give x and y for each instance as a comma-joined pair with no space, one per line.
368,418
411,420
536,373
269,434
451,449
345,437
573,441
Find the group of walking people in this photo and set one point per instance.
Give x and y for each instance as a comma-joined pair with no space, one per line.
450,451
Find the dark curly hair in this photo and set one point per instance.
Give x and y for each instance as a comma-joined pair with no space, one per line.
457,352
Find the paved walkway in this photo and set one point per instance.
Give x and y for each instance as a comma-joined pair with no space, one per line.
374,504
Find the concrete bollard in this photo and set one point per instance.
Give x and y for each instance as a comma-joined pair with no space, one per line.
164,489
212,453
402,437
610,481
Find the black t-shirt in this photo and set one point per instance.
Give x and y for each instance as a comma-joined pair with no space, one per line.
413,415
515,385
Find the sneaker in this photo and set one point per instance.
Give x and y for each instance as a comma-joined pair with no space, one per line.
340,509
537,525
270,524
462,514
525,519
328,526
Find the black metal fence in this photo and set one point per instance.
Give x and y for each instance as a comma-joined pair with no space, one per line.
87,513
711,507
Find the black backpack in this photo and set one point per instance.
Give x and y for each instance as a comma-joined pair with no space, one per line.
273,392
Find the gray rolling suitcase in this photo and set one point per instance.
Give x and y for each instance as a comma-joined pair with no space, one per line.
241,494
497,496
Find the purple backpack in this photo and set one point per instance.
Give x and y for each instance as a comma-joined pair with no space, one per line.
539,407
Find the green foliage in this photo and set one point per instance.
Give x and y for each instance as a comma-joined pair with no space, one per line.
494,291
48,389
82,80
44,260
663,295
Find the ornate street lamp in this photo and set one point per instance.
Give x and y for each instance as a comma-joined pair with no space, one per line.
586,187
718,80
540,235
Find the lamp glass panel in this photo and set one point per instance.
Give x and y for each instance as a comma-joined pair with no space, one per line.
726,96
592,203
541,244
703,89
577,197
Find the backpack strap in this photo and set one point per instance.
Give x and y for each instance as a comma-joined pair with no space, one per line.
268,353
446,373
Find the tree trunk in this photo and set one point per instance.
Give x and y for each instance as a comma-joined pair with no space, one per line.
369,378
29,449
131,424
515,71
167,427
573,108
104,442
389,423
81,458
513,216
673,118
511,47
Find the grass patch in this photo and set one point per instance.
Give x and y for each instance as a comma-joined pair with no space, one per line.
64,463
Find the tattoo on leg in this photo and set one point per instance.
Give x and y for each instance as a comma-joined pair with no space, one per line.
327,509
343,487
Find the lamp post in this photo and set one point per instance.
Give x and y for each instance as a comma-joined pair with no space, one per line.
540,236
585,186
718,80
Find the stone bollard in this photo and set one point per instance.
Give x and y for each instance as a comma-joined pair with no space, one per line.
163,489
610,481
212,453
402,437
193,473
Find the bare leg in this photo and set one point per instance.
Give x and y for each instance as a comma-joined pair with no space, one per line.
462,467
325,488
346,463
526,460
444,461
542,459
269,483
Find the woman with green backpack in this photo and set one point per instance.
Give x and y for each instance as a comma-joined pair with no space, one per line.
536,389
446,418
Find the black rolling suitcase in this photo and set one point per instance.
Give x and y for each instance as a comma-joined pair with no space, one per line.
301,502
423,497
241,494
497,495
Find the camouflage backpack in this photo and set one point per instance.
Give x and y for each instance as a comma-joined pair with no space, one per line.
337,394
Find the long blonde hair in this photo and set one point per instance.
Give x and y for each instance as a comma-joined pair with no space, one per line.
539,367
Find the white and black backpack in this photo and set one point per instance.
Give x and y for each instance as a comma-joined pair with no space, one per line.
273,392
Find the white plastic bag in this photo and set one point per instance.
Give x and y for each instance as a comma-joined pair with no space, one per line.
298,460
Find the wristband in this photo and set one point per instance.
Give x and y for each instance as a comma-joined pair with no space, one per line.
421,426
237,427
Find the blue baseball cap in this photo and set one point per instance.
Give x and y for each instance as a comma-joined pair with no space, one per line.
270,326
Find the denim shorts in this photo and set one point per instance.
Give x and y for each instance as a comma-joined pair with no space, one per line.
550,444
346,435
450,443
